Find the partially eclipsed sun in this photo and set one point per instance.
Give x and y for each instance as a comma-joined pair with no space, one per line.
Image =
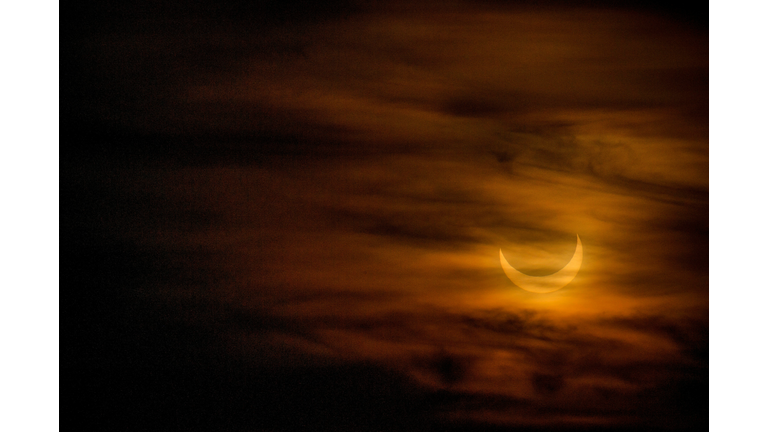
545,284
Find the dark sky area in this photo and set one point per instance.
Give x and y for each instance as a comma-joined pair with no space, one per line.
282,216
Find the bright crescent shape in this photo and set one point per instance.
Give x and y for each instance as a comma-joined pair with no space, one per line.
545,284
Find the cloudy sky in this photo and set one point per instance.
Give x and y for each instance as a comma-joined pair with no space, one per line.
289,217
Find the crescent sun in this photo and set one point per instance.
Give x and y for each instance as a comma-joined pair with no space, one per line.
549,283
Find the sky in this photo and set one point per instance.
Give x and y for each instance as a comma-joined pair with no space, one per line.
289,218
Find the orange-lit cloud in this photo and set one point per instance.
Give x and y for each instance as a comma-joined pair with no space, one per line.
338,193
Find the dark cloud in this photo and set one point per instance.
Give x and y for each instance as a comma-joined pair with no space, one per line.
449,369
547,384
691,334
488,106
